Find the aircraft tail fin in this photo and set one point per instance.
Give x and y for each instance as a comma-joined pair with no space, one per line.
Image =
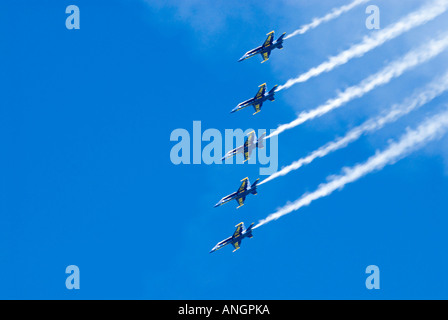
280,39
272,92
273,89
254,186
249,230
260,142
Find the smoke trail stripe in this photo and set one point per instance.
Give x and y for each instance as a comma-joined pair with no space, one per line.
430,92
330,16
413,139
407,23
393,70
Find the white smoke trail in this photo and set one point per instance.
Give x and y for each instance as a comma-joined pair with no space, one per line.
430,92
414,19
330,16
413,139
392,70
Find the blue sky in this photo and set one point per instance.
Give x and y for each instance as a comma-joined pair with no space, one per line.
86,117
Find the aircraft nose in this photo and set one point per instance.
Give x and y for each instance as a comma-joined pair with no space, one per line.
236,108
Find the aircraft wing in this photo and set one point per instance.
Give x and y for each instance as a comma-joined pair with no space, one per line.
250,139
265,56
236,245
269,39
261,91
247,149
246,155
239,230
243,185
240,201
257,107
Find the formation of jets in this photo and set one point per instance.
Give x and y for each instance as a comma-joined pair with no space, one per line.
251,142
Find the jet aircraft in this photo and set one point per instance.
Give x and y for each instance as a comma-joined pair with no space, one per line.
249,145
265,49
240,195
235,240
257,101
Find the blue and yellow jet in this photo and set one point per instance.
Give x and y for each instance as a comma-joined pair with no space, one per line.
266,48
240,195
235,240
249,145
257,101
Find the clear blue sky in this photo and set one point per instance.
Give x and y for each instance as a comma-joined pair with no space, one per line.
86,178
